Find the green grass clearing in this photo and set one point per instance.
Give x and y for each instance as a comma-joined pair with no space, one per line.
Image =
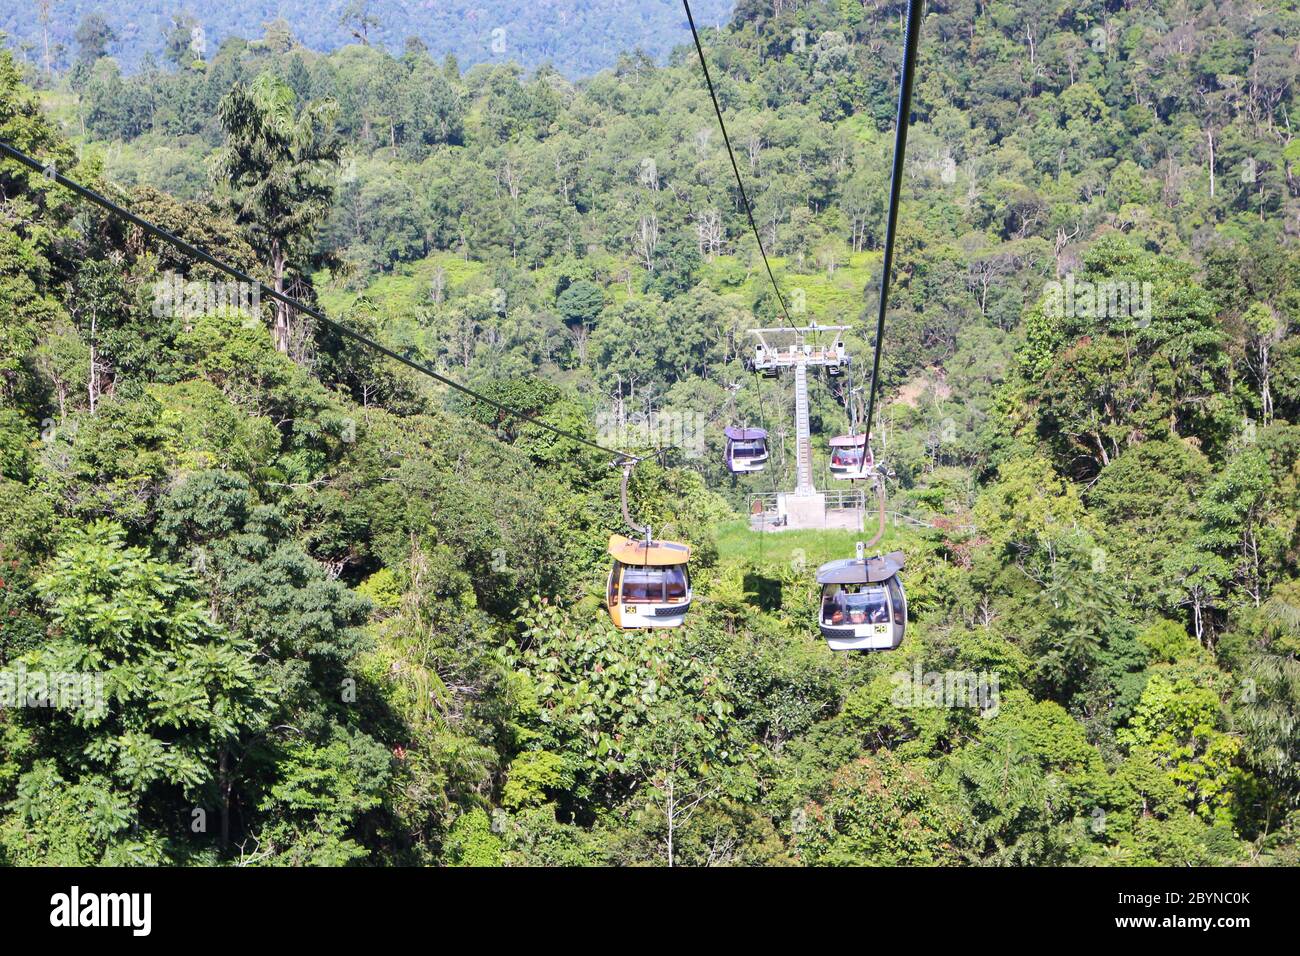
737,542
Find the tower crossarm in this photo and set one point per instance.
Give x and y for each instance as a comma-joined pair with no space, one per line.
799,346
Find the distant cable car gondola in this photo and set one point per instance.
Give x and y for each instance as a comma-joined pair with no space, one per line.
849,460
649,585
863,606
746,449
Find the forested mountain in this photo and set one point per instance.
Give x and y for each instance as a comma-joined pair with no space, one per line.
344,615
576,37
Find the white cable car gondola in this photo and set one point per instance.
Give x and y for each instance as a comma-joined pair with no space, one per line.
863,605
848,462
746,450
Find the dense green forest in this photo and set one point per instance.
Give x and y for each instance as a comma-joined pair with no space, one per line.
343,615
577,37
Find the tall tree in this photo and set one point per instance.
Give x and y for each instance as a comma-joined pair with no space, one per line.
93,37
275,162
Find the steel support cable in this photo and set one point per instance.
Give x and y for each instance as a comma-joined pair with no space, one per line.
627,518
880,499
744,197
762,417
195,252
915,11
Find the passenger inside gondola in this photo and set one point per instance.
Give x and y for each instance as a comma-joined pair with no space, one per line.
856,604
846,456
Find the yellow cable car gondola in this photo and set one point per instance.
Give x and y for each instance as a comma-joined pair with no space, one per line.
649,584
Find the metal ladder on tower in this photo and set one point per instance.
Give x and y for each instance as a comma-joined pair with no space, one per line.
803,446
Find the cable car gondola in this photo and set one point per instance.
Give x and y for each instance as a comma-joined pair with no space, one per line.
746,450
863,606
848,462
649,584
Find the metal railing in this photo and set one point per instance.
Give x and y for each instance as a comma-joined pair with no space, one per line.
840,500
767,513
847,499
897,516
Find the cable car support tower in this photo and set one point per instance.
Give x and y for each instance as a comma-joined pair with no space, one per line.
797,349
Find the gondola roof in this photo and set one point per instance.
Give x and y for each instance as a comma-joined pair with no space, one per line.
657,554
869,571
845,441
745,434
